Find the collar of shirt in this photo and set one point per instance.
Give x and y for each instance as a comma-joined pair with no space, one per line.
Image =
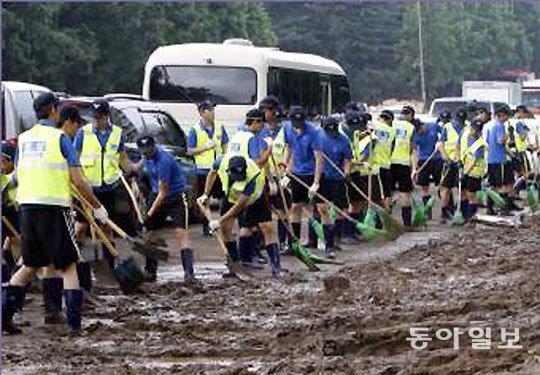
47,122
107,129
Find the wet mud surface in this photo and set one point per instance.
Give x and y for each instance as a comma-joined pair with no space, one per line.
353,319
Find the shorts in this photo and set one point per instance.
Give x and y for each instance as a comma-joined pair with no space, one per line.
256,213
11,214
500,174
217,190
385,179
300,193
451,179
335,191
277,201
48,237
401,176
176,207
362,183
431,173
520,163
472,184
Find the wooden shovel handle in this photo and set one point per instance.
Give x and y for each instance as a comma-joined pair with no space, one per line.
98,231
133,199
11,228
217,234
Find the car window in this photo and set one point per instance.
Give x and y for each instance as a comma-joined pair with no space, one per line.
24,104
130,122
163,128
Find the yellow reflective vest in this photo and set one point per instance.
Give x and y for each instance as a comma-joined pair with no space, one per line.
358,147
101,166
452,139
236,189
467,155
239,143
521,144
383,149
278,149
205,159
9,191
42,170
402,145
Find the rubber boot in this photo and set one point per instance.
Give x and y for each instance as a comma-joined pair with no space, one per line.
329,240
465,208
490,208
406,216
275,261
150,269
232,251
244,248
73,308
187,263
257,243
312,238
473,209
52,296
338,233
282,231
84,273
12,300
9,265
6,273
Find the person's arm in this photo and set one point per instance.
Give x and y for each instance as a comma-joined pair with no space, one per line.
77,178
210,180
78,141
319,165
224,142
163,190
415,157
235,210
192,148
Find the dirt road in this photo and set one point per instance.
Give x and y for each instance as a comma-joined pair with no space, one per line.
345,320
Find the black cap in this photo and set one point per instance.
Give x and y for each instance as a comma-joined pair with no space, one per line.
330,123
353,118
445,114
270,100
70,113
407,109
237,168
45,100
460,114
254,114
386,113
503,108
146,143
101,107
522,107
206,104
297,115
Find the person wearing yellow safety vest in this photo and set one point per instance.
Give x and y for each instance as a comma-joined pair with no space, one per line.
401,161
206,142
46,165
385,134
100,147
9,209
243,185
518,133
448,146
473,154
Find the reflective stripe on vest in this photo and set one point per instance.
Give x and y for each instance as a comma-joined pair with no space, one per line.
9,189
101,166
359,146
383,149
42,170
278,149
451,143
205,159
234,191
239,144
467,155
402,144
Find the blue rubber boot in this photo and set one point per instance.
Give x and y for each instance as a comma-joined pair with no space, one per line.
52,296
275,261
74,299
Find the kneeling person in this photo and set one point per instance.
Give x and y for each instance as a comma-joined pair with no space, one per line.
168,198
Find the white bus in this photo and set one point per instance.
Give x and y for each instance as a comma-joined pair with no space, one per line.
236,76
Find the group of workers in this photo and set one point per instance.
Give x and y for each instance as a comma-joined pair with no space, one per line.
273,167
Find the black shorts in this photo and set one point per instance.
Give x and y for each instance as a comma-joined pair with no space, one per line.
256,213
277,201
176,207
299,192
401,176
520,163
472,184
451,178
500,174
116,201
385,179
11,214
217,190
335,191
362,183
431,173
48,237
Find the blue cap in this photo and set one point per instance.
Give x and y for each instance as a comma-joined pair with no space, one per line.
353,118
206,104
45,100
101,107
70,113
297,115
330,123
146,143
254,114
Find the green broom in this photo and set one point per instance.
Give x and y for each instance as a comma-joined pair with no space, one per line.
418,213
495,197
458,218
317,227
369,218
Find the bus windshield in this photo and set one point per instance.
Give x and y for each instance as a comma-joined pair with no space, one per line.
193,84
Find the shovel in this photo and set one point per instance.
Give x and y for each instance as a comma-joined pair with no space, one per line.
458,218
127,273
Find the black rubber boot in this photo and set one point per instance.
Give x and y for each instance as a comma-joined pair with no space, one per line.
187,263
232,251
151,269
12,300
84,273
73,308
275,261
52,296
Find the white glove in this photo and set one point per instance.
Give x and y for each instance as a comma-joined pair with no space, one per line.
203,199
101,214
213,225
209,145
284,182
367,165
312,190
272,186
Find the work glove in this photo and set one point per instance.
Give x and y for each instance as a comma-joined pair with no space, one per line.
312,190
101,214
367,165
284,182
272,187
213,225
209,145
203,200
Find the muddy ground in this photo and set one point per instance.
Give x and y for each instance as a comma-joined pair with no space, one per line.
353,319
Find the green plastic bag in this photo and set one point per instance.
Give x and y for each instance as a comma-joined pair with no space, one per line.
369,219
481,196
369,233
418,213
495,197
532,193
317,227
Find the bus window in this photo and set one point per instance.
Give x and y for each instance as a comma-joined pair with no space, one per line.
193,84
340,93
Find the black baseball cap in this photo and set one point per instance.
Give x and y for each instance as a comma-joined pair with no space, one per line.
70,113
503,108
297,115
386,113
146,144
353,118
330,123
268,101
522,107
254,114
237,168
460,114
407,109
8,150
206,104
45,100
101,107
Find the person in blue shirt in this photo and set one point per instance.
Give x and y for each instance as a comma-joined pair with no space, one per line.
303,159
427,161
500,173
249,137
337,148
206,142
168,199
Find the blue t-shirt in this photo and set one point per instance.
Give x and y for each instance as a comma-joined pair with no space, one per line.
496,149
303,146
427,141
338,150
162,167
192,140
250,186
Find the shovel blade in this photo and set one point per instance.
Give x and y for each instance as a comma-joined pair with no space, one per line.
129,275
147,249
